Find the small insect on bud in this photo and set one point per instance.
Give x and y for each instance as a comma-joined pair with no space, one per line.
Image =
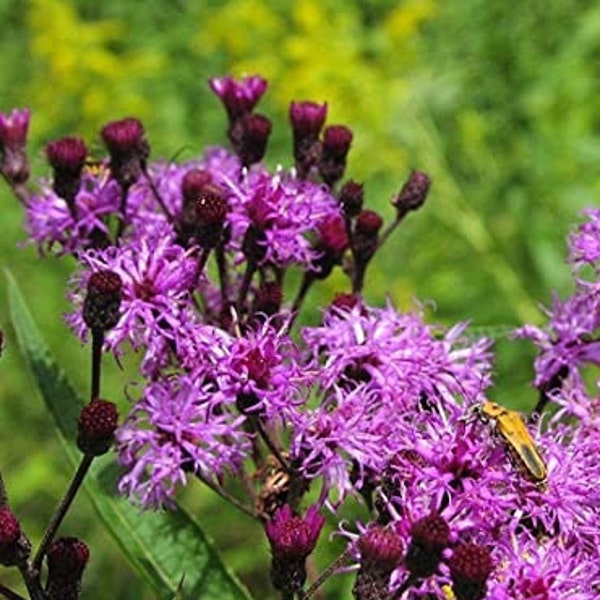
470,566
97,424
413,192
66,558
103,300
430,535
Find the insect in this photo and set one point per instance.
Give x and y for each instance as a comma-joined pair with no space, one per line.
274,487
512,429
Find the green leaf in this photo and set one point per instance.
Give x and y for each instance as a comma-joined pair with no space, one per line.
167,548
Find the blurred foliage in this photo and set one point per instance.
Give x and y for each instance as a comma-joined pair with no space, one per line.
498,101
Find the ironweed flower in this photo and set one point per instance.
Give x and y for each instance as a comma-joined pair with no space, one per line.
188,264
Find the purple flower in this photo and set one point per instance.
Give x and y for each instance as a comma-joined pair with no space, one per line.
157,277
568,342
399,355
52,223
178,428
284,210
584,244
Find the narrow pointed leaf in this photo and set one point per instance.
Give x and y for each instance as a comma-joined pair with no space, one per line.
168,549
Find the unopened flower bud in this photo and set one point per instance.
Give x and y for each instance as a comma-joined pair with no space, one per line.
67,158
307,119
333,242
10,537
334,152
365,240
268,298
101,308
97,424
430,535
255,132
66,558
128,149
413,192
292,539
13,141
211,212
345,302
470,566
351,198
381,552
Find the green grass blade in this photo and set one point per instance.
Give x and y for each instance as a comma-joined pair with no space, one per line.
167,548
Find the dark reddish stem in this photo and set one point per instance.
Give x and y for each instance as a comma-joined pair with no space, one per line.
62,509
97,343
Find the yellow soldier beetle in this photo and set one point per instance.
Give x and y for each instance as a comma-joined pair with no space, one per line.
511,427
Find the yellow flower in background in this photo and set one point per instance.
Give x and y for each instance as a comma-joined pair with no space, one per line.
326,50
83,79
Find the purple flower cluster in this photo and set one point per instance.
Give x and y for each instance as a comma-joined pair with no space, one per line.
370,405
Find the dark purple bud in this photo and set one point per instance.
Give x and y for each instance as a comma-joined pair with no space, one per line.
255,132
97,424
268,298
346,302
351,198
101,307
128,149
238,97
430,535
211,210
123,137
380,553
333,242
66,558
292,539
10,534
307,119
67,158
13,143
334,151
254,244
67,155
368,223
193,184
380,550
365,240
470,566
413,192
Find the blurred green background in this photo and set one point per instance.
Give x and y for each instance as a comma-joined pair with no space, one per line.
498,102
